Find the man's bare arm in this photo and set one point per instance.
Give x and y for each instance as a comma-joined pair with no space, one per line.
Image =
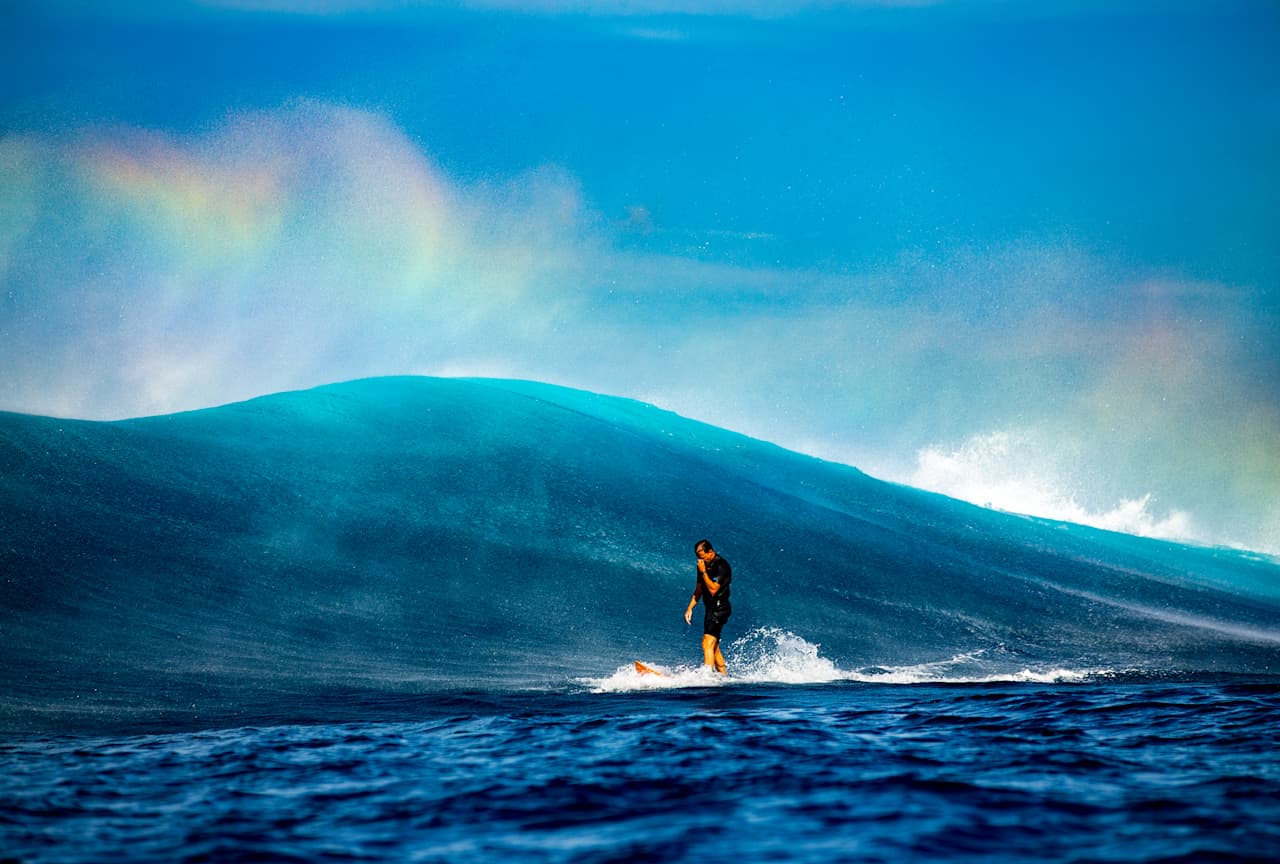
704,581
697,595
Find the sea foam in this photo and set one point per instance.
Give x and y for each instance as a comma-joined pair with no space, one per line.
772,655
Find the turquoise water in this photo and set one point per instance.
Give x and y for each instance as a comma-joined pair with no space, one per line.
395,618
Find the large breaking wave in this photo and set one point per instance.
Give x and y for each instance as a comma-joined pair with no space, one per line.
414,535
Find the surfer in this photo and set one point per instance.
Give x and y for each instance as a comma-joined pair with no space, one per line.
714,576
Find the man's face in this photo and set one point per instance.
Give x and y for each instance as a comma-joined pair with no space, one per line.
704,554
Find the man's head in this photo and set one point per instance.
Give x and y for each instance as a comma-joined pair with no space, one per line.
703,550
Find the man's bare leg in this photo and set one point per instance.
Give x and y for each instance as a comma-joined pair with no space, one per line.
711,653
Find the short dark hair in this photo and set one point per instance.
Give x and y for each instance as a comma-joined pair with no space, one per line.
703,546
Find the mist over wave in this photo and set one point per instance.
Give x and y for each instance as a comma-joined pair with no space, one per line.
414,535
1017,473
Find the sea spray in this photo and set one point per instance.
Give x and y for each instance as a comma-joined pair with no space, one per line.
771,655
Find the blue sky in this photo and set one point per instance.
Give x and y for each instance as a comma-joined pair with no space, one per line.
1023,253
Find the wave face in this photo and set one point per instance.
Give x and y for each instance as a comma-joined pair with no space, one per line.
415,535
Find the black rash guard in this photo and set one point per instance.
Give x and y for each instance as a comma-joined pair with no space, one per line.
716,608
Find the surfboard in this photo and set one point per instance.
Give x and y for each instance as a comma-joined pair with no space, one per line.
644,669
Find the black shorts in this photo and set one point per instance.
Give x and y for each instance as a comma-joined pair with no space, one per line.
713,622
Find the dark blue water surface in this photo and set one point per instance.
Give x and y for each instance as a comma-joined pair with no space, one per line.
1093,771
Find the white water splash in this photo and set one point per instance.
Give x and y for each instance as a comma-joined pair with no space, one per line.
770,655
967,669
626,679
773,655
1014,471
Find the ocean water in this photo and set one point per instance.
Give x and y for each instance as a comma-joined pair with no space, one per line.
395,619
1094,770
